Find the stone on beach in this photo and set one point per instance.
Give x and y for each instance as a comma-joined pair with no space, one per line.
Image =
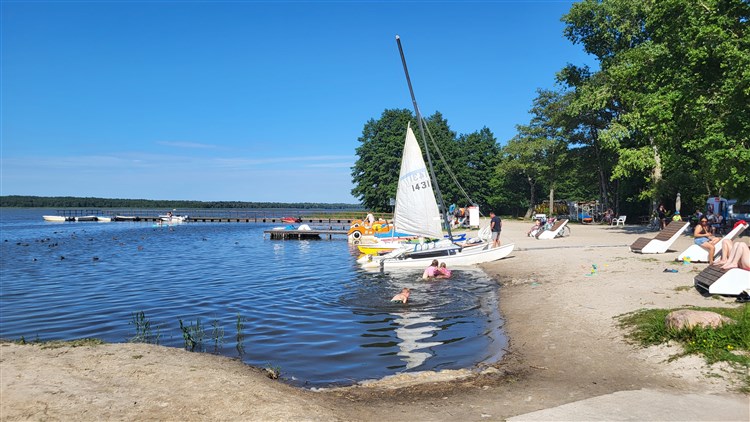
686,318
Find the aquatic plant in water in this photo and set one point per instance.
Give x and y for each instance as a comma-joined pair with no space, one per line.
240,337
143,329
217,334
193,335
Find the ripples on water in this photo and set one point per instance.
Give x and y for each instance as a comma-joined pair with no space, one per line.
305,306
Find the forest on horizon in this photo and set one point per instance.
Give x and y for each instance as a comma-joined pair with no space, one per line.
21,201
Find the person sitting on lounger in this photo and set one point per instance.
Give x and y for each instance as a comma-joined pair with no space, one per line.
705,239
535,228
734,255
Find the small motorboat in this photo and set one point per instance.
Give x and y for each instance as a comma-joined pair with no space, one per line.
291,220
126,218
54,218
86,218
103,218
169,218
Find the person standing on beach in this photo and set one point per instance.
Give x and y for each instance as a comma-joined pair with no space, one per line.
662,211
496,225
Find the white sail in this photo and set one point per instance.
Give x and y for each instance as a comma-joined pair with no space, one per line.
416,210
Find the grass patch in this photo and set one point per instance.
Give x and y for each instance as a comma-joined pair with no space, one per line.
56,344
683,288
727,343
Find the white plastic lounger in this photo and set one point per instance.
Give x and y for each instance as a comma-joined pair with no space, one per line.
699,254
662,241
716,281
554,231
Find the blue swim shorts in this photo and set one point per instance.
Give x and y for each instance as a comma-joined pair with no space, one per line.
700,240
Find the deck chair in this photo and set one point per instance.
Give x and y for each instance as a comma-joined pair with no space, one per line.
717,281
619,220
662,241
697,254
554,231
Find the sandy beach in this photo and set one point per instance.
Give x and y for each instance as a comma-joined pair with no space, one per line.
567,354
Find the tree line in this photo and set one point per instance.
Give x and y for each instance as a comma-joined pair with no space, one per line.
20,201
667,112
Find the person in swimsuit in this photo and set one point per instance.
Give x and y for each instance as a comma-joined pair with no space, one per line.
705,239
431,271
401,297
443,271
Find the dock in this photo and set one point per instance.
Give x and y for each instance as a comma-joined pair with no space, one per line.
334,220
282,234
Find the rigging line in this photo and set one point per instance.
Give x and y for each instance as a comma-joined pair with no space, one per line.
450,171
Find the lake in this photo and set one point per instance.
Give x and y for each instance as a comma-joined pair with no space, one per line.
303,307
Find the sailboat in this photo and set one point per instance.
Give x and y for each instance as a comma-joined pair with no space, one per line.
417,212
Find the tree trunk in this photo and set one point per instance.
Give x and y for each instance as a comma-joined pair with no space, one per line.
655,177
551,201
532,199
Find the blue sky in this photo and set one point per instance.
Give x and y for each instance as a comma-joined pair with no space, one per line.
246,100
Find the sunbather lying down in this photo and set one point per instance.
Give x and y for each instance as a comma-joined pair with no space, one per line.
734,255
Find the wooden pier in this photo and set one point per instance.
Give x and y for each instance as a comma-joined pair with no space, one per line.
337,220
282,234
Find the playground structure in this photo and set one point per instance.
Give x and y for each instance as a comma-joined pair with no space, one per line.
585,212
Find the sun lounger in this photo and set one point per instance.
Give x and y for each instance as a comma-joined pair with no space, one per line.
717,281
554,231
662,241
698,254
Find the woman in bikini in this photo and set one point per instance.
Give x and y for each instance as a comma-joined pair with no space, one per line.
705,239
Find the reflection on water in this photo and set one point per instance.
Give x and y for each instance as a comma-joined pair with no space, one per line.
303,306
415,326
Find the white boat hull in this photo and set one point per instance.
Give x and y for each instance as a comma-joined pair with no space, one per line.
464,258
54,218
173,219
125,218
103,219
86,218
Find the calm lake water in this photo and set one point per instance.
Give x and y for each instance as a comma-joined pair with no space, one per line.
304,307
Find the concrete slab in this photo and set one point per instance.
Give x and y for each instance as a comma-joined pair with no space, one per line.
648,405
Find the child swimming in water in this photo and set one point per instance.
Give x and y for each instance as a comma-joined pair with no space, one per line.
401,297
431,271
443,271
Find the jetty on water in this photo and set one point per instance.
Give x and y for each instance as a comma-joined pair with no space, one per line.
333,220
283,234
324,224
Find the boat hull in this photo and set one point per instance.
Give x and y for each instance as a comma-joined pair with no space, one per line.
463,258
86,218
173,218
54,218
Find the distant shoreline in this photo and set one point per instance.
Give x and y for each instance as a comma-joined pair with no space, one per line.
22,201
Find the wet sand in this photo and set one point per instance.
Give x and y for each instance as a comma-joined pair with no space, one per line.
565,345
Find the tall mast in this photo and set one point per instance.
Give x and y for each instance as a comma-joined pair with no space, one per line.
424,141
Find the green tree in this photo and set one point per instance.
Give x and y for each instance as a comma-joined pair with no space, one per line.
675,77
539,149
463,164
375,173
